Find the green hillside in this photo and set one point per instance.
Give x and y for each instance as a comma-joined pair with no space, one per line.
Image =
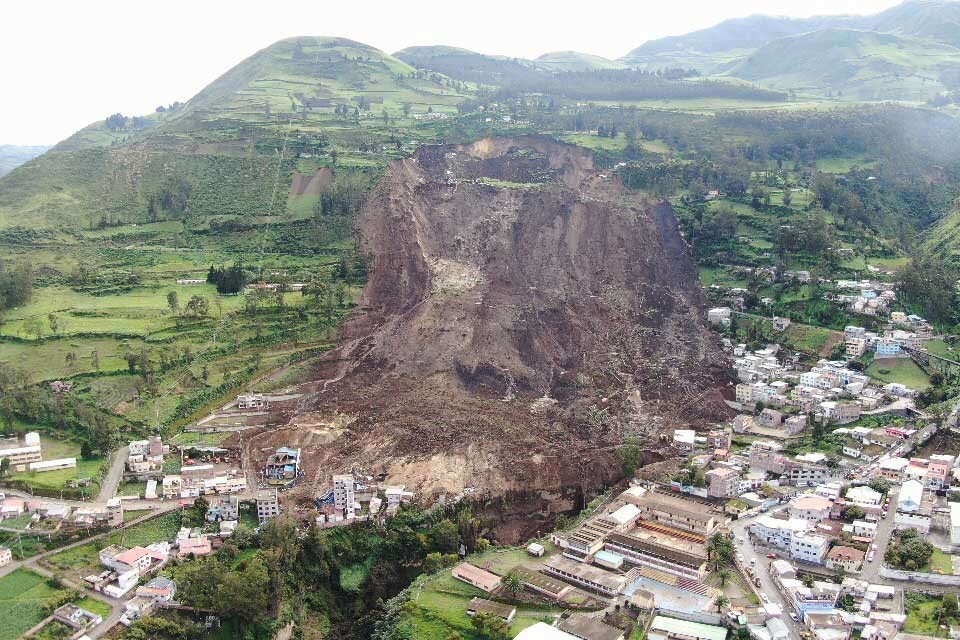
908,52
306,96
945,234
856,64
576,61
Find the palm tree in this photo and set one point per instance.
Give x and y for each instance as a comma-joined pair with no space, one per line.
721,602
723,575
512,583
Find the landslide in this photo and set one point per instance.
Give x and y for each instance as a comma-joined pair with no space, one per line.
524,313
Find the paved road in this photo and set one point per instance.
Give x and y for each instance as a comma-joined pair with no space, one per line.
108,488
751,555
871,570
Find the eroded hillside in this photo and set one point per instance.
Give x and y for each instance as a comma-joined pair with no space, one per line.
523,314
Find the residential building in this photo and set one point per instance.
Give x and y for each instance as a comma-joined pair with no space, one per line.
480,578
199,546
268,505
893,468
887,348
723,482
810,507
343,493
856,347
792,535
840,412
114,512
282,466
771,418
863,495
719,316
795,424
6,556
846,558
251,401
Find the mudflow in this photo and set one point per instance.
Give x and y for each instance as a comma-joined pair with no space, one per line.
524,313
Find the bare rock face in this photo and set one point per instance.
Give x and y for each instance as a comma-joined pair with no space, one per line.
524,313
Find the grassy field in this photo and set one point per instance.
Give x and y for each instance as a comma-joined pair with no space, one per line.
53,449
922,619
23,595
902,370
80,561
940,562
809,339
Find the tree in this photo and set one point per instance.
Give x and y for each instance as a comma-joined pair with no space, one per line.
197,307
445,537
200,507
95,360
4,467
490,627
720,549
34,327
723,575
512,583
173,301
721,602
880,485
853,513
54,323
787,196
86,451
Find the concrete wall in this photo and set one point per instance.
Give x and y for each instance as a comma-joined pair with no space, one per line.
916,576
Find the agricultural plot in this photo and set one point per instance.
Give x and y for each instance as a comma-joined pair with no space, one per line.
900,370
80,561
23,596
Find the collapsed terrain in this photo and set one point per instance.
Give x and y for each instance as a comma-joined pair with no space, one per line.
524,313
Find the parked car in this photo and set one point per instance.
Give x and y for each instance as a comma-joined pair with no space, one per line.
794,616
772,556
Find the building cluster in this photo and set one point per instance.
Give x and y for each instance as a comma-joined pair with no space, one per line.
829,393
870,612
891,342
144,460
822,527
123,568
51,516
214,471
27,455
869,297
355,498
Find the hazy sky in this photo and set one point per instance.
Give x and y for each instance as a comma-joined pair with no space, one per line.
68,63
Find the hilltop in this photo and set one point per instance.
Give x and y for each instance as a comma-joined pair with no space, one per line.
908,52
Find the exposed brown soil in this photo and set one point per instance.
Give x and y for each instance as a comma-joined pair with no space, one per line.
311,184
509,336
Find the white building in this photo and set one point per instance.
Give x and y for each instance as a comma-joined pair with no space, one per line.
792,535
864,495
343,495
719,316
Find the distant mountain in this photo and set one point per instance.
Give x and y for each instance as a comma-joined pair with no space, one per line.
861,65
576,61
12,155
907,52
470,66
